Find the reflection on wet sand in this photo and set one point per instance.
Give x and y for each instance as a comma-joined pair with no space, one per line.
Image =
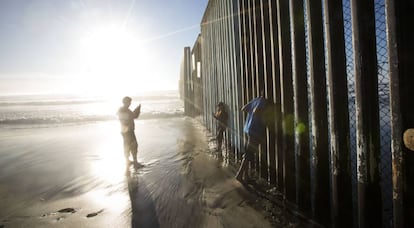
82,168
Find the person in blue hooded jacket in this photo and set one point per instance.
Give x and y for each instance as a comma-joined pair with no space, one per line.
255,129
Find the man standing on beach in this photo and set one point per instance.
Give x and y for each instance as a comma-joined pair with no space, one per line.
126,117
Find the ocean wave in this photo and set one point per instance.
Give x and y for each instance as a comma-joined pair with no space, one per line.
62,120
52,120
47,103
6,101
80,102
48,110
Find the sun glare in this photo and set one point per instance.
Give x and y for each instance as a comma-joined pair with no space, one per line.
111,50
115,60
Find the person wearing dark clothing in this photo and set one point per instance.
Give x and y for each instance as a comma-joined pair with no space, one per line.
126,118
222,117
255,129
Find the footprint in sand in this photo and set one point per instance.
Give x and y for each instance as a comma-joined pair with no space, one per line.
94,214
59,219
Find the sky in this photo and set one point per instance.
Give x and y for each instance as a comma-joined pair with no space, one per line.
94,46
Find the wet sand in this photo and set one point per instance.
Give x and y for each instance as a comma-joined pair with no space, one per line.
75,176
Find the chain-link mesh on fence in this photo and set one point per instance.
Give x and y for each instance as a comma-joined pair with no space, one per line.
384,106
384,112
349,51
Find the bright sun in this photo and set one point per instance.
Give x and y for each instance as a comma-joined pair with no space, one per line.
110,50
114,60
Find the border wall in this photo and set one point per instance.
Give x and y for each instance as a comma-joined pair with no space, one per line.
340,76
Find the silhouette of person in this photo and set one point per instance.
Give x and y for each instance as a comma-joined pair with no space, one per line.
222,117
126,118
255,129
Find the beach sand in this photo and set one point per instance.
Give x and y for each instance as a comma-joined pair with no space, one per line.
76,176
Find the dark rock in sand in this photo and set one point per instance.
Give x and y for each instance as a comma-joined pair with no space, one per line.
67,210
93,214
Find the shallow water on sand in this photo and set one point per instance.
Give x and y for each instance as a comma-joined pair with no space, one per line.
76,176
44,164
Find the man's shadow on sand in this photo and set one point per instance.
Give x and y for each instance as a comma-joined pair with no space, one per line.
143,208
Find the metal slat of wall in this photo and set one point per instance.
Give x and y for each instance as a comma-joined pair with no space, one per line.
253,67
208,75
226,61
239,77
234,84
400,21
274,40
245,59
262,158
301,105
218,52
368,147
268,74
250,56
204,68
285,64
339,127
320,156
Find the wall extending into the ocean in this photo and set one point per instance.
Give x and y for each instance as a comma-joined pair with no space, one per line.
339,75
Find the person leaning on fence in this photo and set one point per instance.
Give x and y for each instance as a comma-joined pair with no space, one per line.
221,116
255,130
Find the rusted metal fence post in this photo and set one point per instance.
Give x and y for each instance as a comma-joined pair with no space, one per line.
245,59
262,166
320,153
268,85
243,55
252,67
274,40
338,115
400,21
366,89
302,157
272,72
242,65
285,66
248,49
231,139
237,94
187,80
